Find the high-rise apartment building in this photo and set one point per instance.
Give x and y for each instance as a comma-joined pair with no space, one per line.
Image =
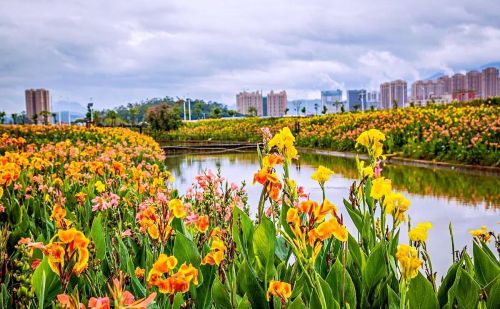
445,84
458,83
490,82
276,103
474,83
245,100
392,93
37,101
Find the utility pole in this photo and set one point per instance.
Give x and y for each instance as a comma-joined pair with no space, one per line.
189,108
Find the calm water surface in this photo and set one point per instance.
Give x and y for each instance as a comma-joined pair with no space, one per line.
439,196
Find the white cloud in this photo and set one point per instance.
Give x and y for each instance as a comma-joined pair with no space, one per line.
123,51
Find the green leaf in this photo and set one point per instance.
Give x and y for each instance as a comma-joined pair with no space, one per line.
264,246
178,301
338,277
376,267
355,216
247,282
465,291
245,303
45,283
297,303
327,293
242,232
186,251
421,294
493,300
485,268
97,235
220,294
355,252
394,301
446,284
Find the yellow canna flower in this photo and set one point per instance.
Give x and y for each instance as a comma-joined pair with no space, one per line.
408,261
380,187
482,234
99,186
165,263
419,233
322,175
177,207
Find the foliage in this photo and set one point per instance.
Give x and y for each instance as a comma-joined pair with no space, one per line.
90,217
462,132
163,117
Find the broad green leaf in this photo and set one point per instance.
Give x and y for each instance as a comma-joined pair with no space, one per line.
245,303
485,268
493,300
186,251
220,294
327,294
446,284
297,303
242,232
421,294
178,301
465,290
45,283
264,245
247,283
355,252
341,284
97,235
393,298
355,216
375,268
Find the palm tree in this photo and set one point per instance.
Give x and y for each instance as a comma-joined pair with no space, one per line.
97,117
14,118
54,118
198,109
316,106
112,115
325,109
303,110
287,110
45,115
35,118
395,104
252,111
133,115
2,117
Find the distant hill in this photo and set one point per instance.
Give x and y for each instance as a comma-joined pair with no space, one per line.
68,106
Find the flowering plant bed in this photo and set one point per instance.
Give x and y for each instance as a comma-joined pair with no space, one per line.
466,133
90,219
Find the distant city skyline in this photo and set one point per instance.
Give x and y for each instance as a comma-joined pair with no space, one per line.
119,52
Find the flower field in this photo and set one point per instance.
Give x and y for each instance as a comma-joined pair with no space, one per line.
90,219
468,133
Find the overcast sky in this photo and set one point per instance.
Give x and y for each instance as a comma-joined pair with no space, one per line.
124,51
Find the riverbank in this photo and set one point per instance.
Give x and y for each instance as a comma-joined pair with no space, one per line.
456,133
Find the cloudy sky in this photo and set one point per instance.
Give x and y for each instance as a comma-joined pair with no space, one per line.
124,51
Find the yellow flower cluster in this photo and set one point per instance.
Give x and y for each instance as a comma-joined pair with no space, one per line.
372,140
175,283
284,142
409,261
419,233
322,175
396,204
71,249
380,187
482,234
283,290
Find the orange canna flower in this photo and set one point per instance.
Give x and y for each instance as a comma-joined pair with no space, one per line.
139,272
202,223
283,290
165,263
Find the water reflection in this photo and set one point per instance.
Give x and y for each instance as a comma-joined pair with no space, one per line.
468,201
470,189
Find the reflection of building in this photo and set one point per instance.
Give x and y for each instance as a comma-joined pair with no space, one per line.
332,100
37,100
246,100
276,103
392,93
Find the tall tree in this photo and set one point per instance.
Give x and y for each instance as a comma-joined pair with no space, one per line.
112,116
14,118
35,118
2,117
45,115
252,111
133,111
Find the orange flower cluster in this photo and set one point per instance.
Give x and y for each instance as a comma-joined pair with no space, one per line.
156,220
217,249
267,176
70,250
313,229
283,290
177,282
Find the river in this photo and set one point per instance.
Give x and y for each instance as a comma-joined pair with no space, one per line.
466,199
